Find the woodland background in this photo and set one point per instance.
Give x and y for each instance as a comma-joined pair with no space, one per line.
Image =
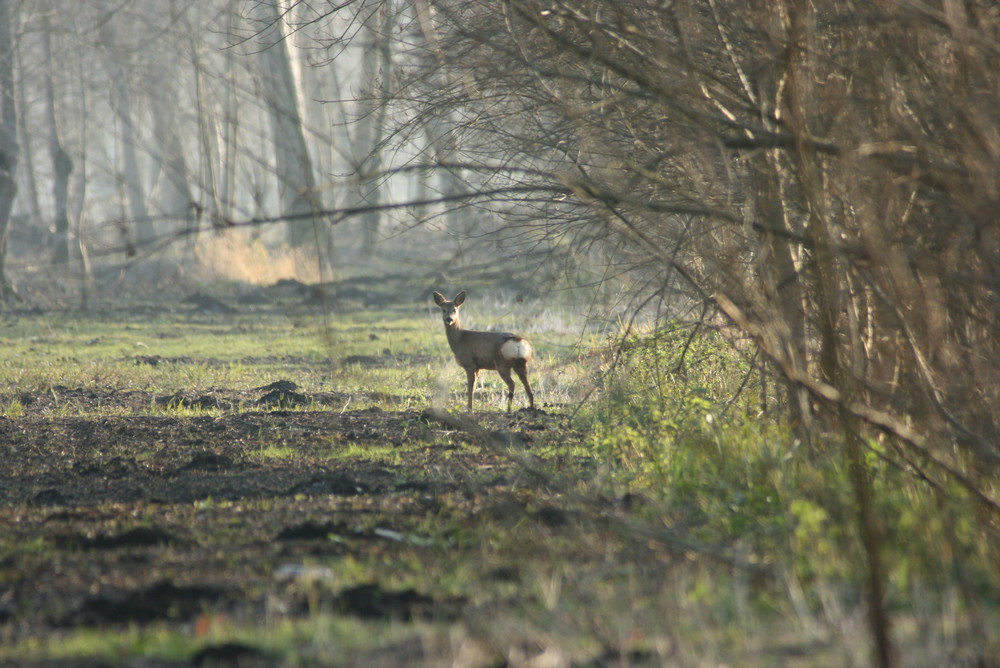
816,182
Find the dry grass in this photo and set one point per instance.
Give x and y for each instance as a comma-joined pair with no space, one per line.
235,256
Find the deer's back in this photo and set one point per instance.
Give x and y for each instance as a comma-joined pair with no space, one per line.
480,350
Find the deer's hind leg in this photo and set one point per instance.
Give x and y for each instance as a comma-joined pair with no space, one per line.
521,369
504,372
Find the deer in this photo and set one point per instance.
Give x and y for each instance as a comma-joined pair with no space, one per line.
475,351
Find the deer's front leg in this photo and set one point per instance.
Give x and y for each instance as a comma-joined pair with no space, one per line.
471,376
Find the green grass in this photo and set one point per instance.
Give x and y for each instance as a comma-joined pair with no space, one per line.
41,352
322,640
381,453
679,423
671,519
275,451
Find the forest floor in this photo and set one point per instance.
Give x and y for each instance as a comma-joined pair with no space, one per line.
273,479
172,495
126,520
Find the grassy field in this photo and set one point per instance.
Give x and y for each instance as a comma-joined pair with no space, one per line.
270,484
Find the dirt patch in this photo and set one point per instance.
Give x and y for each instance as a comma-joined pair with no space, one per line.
75,462
132,519
370,601
282,394
162,600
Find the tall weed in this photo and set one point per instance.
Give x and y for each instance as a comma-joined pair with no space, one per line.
680,421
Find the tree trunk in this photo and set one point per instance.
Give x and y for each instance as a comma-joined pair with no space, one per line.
62,164
121,96
130,177
376,64
174,198
296,184
29,189
229,149
78,185
438,128
8,142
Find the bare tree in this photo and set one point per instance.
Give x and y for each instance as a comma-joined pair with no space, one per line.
129,173
823,175
8,141
438,122
25,70
170,175
62,164
373,104
296,182
223,185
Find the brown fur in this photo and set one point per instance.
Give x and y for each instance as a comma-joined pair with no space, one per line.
475,351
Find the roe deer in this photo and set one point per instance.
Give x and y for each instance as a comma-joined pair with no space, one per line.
475,351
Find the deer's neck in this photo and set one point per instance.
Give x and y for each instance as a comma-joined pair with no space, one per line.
454,334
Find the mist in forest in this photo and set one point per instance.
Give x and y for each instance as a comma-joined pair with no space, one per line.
244,141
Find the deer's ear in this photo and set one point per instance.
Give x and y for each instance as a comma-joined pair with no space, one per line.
439,299
460,298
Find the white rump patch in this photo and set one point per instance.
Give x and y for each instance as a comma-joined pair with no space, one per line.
516,349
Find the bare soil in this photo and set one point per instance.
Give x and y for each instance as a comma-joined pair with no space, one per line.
128,520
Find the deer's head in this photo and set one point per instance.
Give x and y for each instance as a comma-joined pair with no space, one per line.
449,309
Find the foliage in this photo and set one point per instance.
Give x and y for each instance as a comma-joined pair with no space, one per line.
697,442
740,481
